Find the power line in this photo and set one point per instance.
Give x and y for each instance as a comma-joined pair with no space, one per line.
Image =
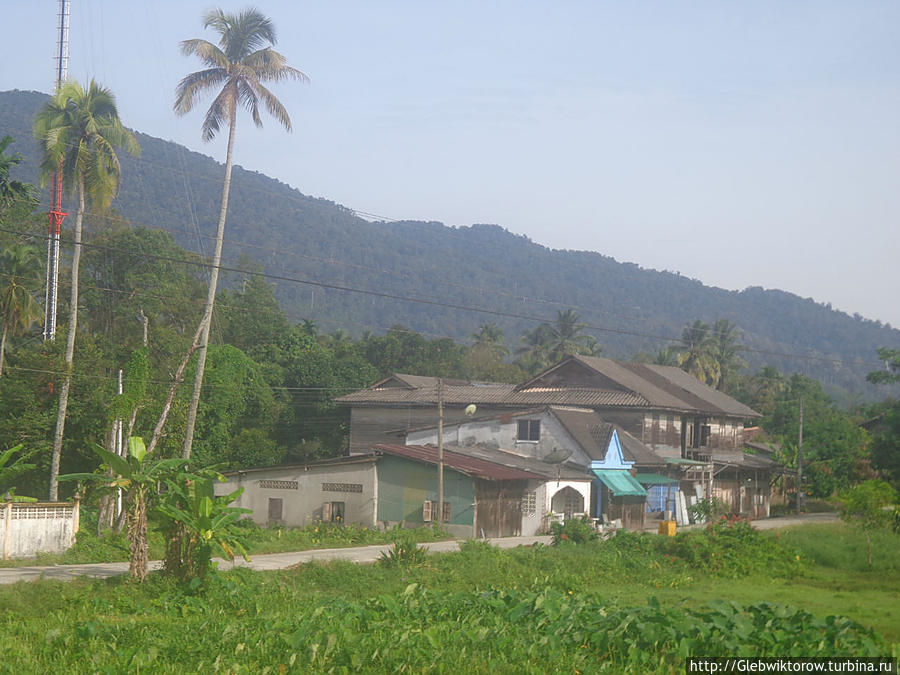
433,302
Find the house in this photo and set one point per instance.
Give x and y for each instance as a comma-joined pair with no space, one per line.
668,410
587,462
695,430
391,485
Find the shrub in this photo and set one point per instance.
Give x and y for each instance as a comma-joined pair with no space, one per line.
404,553
573,531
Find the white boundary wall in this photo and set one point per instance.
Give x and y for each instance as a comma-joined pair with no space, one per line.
27,529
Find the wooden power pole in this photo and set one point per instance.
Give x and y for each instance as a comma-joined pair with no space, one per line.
440,439
801,498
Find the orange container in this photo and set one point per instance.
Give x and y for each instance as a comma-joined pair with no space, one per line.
667,527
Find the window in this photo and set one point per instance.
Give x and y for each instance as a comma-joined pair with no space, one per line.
429,508
704,435
529,430
529,504
276,509
337,512
342,487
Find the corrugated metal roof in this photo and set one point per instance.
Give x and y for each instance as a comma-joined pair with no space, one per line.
517,461
653,479
471,466
620,483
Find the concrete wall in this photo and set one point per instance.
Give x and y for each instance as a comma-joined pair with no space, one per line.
303,490
29,529
502,433
375,424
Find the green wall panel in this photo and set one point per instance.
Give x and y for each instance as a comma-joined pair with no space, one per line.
403,485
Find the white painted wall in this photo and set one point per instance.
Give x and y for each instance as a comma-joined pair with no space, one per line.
29,529
303,505
500,435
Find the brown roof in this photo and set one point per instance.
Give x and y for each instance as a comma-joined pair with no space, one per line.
471,466
601,383
593,434
491,394
663,387
563,471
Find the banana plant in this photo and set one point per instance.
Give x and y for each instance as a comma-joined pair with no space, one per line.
10,470
197,521
138,478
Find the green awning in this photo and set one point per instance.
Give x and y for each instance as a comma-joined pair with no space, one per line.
620,483
654,479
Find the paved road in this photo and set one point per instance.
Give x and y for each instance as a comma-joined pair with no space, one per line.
267,561
361,554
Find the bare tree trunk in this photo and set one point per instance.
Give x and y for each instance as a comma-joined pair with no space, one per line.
137,537
70,351
167,406
3,347
206,321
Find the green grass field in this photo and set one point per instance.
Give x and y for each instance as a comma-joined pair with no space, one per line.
635,603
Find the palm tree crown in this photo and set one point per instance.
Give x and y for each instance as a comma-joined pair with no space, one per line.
18,308
239,65
78,130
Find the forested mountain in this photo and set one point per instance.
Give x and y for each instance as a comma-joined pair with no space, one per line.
627,308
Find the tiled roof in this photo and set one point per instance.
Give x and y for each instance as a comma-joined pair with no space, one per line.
491,394
593,434
616,385
663,387
471,466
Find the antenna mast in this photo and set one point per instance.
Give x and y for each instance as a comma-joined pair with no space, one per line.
56,214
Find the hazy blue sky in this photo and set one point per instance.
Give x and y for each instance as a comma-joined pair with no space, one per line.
740,143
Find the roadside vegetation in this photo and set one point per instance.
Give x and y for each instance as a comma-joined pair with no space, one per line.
632,603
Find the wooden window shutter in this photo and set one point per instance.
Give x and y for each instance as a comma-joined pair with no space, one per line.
446,513
426,512
326,512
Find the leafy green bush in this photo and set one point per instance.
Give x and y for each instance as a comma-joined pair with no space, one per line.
404,553
573,531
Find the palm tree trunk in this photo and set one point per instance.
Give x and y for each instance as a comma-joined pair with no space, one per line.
70,351
206,322
3,347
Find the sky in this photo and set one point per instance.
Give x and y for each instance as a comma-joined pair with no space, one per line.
739,143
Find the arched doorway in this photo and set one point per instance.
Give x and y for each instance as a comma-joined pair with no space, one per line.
568,501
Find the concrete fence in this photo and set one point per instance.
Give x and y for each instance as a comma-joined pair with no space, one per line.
27,529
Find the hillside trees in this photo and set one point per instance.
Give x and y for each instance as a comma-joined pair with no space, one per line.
240,65
834,446
21,277
78,130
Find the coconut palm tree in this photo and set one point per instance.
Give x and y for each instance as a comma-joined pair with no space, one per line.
12,191
238,68
566,336
696,356
489,338
726,351
18,308
78,130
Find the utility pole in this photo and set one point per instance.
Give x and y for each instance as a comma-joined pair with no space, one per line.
440,393
801,498
56,214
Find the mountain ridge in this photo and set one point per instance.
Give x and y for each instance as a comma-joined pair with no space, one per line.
480,265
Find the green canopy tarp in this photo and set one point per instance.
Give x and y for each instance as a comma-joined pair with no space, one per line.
620,483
